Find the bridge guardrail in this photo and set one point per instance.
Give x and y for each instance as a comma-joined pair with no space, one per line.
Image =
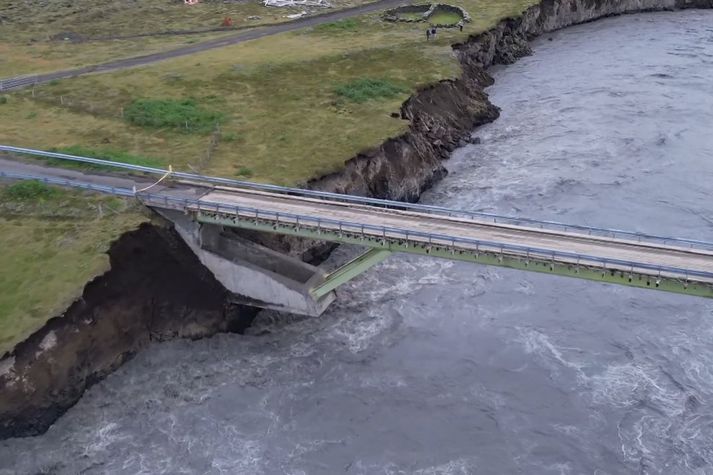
388,204
112,190
427,238
162,200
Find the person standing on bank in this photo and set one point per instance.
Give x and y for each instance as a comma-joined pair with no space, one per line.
428,34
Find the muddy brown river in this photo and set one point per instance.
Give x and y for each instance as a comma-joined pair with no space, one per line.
435,367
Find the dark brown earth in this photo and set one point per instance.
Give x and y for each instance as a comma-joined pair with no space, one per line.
157,290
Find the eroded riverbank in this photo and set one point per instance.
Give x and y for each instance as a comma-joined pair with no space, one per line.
428,366
442,116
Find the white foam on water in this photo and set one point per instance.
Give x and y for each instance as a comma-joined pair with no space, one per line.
460,466
7,367
358,338
538,343
628,384
659,416
101,438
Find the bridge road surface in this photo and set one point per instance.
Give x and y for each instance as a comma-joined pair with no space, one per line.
414,222
596,246
124,180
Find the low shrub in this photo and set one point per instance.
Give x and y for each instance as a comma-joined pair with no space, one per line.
29,191
185,115
245,172
362,90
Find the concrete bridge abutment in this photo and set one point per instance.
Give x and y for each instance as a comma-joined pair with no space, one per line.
254,274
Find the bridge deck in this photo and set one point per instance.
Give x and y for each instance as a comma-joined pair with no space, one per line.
664,263
417,223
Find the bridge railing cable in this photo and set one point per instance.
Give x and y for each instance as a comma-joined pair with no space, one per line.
387,204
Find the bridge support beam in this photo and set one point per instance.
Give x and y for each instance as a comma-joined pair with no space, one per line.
348,271
254,274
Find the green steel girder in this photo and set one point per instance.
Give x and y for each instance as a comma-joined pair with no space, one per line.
532,264
349,270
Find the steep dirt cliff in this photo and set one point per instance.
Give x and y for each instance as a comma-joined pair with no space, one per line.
156,289
443,115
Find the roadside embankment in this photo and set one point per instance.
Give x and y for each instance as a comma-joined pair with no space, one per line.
157,290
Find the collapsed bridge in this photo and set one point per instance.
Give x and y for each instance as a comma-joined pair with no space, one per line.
202,209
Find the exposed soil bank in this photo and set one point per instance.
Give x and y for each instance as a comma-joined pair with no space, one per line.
156,288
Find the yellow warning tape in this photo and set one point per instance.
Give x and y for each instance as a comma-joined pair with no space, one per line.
170,170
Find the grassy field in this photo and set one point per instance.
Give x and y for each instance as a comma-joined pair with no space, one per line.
52,242
34,31
30,57
283,119
281,109
444,18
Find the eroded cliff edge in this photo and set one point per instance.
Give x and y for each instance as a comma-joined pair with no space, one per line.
156,288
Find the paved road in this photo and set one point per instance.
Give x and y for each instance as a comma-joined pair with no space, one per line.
10,165
243,36
94,177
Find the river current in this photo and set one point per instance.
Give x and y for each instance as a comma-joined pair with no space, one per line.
435,367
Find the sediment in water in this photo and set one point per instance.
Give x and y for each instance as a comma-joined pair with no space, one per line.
156,288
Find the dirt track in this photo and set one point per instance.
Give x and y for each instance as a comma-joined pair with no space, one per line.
252,34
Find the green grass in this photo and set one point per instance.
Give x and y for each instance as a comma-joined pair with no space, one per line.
245,172
283,117
103,154
348,24
444,18
365,89
184,115
28,191
26,43
52,242
99,153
